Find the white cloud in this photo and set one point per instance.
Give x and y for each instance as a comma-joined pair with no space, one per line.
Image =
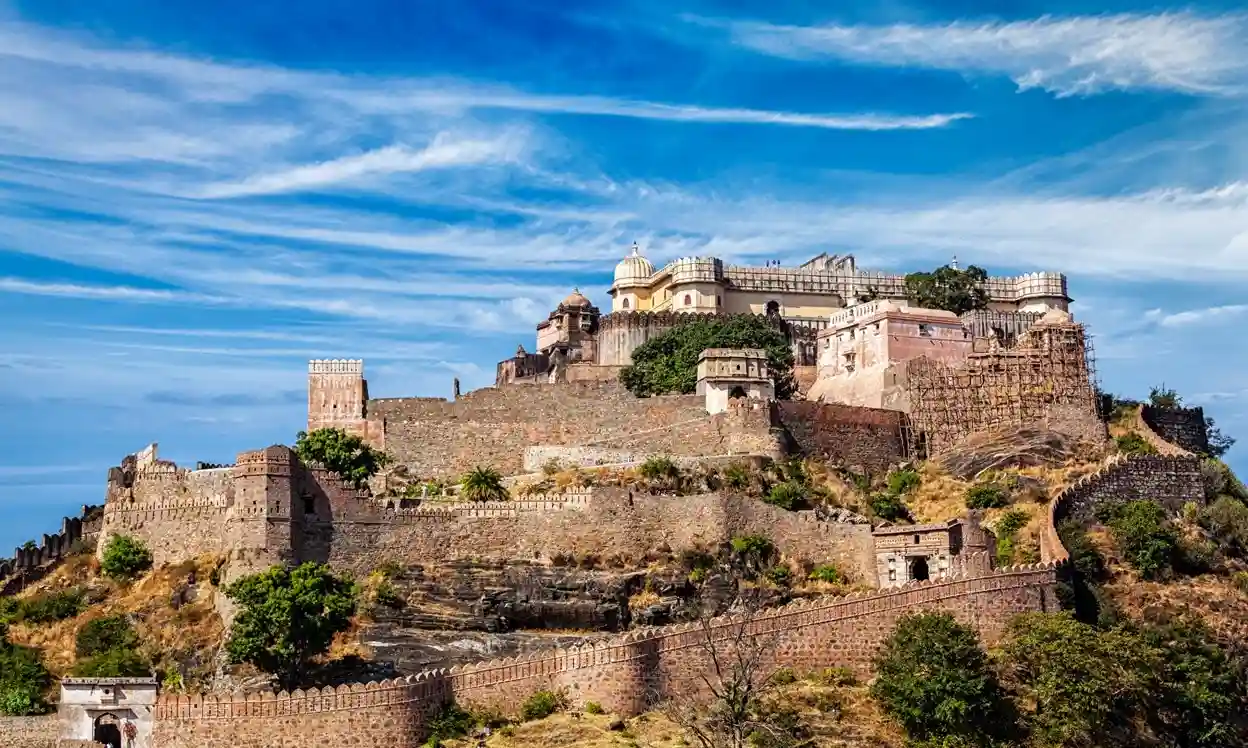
446,150
1196,316
1075,55
107,293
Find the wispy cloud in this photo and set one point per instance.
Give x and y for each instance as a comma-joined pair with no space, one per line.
1076,55
107,293
1196,316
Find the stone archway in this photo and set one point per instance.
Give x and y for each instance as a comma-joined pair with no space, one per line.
107,730
736,393
918,569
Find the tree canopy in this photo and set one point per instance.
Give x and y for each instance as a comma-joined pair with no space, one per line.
668,362
288,617
23,678
949,288
345,454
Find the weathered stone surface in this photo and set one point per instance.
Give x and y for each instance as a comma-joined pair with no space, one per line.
1009,448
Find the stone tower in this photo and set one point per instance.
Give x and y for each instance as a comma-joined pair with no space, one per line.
336,393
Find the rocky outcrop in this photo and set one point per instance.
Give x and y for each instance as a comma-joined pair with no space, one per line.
1009,448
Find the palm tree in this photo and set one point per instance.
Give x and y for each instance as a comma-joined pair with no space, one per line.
483,484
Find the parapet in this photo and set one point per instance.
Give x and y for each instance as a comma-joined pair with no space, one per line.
274,455
336,366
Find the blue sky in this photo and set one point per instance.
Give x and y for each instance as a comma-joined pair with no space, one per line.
196,198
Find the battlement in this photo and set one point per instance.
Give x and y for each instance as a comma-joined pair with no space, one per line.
276,454
336,366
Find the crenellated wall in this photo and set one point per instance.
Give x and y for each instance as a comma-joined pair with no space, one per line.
1183,427
77,533
624,673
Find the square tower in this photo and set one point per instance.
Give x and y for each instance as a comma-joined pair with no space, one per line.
729,373
336,393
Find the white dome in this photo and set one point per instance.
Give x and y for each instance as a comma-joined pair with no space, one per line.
633,268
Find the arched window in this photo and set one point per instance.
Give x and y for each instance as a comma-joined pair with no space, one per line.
625,304
688,300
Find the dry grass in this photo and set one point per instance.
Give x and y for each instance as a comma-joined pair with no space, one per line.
838,716
192,631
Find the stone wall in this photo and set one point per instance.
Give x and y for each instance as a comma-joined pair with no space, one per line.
624,673
179,514
29,732
493,426
1169,481
870,439
79,533
1183,427
354,534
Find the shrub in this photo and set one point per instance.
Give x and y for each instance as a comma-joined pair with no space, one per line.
345,454
1240,580
902,482
448,723
1144,537
935,680
789,495
784,677
542,704
737,477
1006,530
780,575
889,507
658,468
1202,693
550,467
593,707
49,607
1227,521
1134,444
23,679
102,634
114,663
827,573
125,558
986,496
838,676
483,484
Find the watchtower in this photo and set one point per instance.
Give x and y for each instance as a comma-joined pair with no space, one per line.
728,373
336,393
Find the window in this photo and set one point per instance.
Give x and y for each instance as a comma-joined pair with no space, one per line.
925,330
625,304
688,300
716,301
916,539
309,504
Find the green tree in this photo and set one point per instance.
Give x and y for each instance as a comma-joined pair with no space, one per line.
1081,686
668,362
1144,537
114,663
936,681
125,558
948,288
1204,688
287,617
483,484
345,454
23,679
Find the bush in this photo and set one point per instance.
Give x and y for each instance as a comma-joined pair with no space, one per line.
102,634
784,677
737,477
753,551
986,496
658,468
838,676
1006,531
593,707
125,558
789,495
448,723
114,663
902,482
23,679
1134,444
780,575
1227,521
47,607
935,680
827,573
542,704
889,507
668,362
1240,580
345,454
1144,537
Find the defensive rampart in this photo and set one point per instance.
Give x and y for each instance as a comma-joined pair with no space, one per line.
493,426
627,673
29,732
864,438
35,558
1183,427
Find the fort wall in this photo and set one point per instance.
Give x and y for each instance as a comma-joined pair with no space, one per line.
1183,427
626,673
77,534
493,426
29,732
869,439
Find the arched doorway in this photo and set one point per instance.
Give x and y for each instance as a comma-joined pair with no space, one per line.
108,730
773,308
918,569
736,393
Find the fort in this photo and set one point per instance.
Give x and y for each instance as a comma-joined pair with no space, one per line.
886,382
